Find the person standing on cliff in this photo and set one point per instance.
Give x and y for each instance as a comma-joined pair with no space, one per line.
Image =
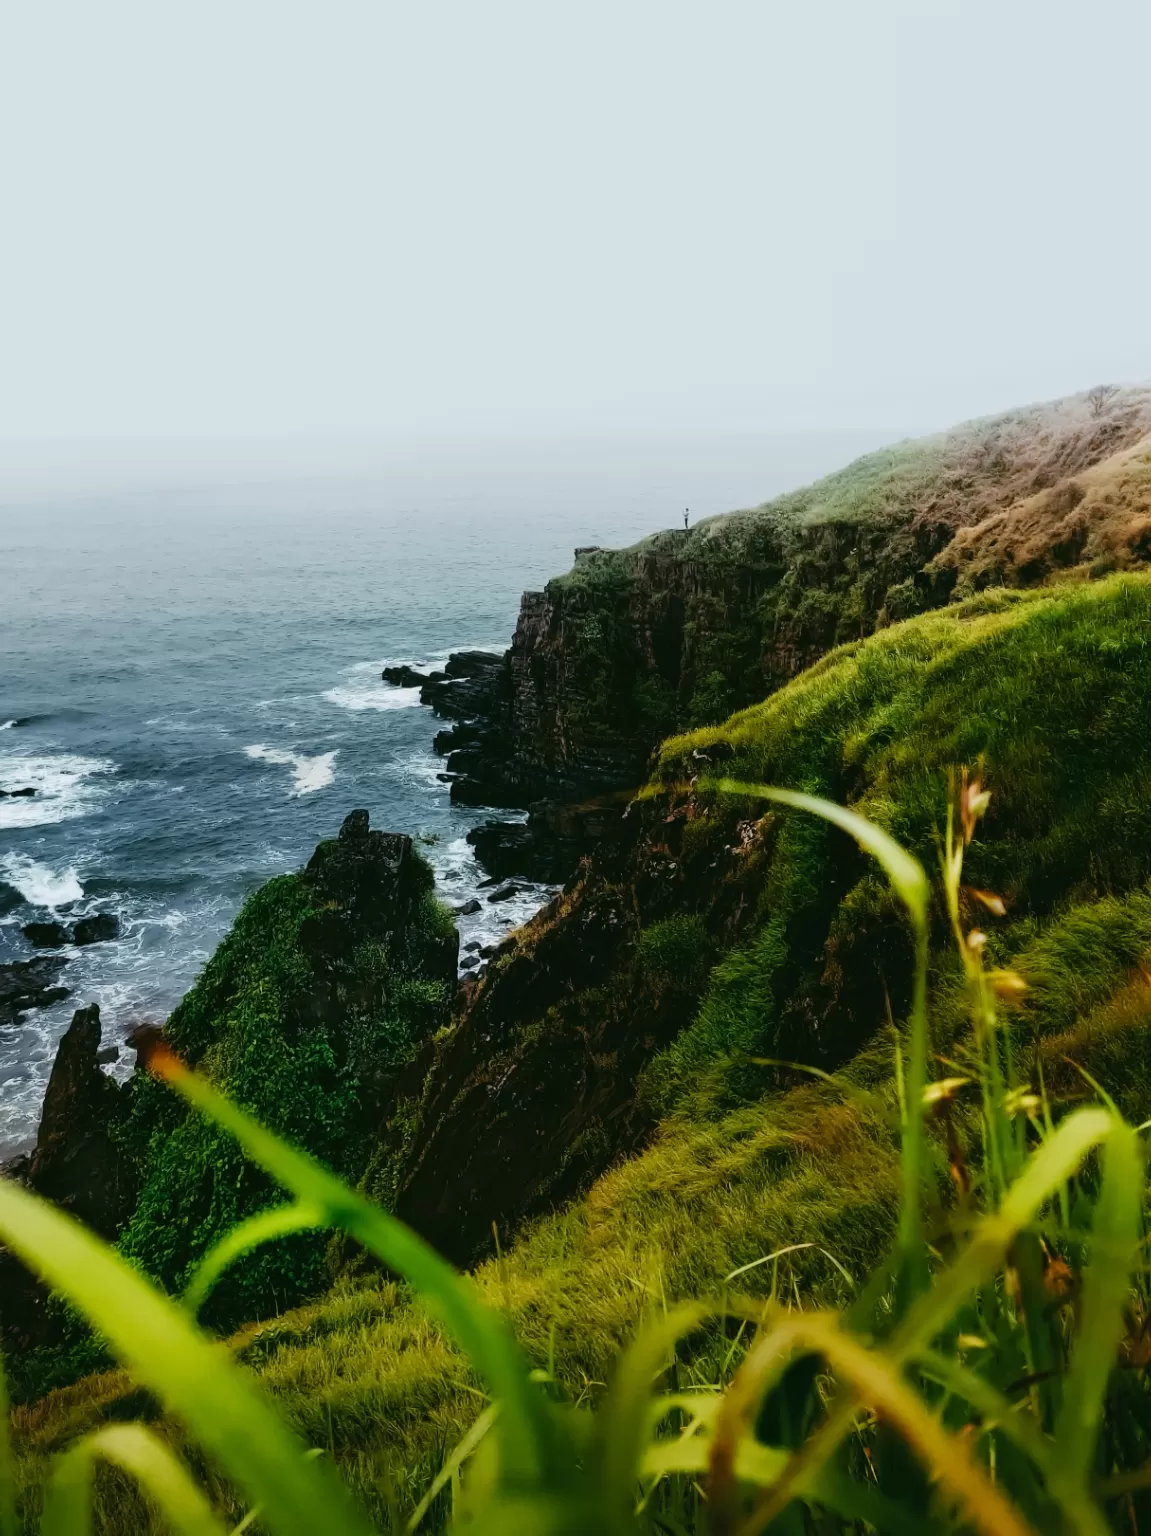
686,510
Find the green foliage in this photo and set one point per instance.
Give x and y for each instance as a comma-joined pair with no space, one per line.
299,1044
1053,695
983,1396
676,952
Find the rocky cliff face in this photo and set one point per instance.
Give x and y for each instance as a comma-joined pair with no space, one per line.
329,981
687,627
710,935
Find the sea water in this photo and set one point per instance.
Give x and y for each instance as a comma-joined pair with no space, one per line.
190,681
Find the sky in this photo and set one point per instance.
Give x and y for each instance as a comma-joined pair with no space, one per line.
269,217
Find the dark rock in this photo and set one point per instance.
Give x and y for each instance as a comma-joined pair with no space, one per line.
472,946
505,892
466,908
16,794
10,898
106,1056
145,1039
408,677
77,1163
46,935
96,930
370,885
27,984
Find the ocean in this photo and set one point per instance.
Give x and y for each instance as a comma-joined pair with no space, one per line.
190,681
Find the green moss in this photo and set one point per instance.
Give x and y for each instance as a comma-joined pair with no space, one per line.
676,952
305,1043
1052,695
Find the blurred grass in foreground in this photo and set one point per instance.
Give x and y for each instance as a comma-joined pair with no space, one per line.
987,1377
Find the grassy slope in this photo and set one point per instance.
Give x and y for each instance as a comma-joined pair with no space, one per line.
1055,691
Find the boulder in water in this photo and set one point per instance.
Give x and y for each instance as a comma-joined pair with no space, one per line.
46,935
96,930
26,984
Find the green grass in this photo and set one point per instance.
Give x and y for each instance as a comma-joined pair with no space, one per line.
1052,694
792,1431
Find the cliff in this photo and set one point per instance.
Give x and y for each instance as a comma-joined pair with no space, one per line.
327,984
712,935
684,628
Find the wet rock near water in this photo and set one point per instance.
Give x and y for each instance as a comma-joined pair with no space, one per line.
17,794
409,677
100,929
46,935
29,984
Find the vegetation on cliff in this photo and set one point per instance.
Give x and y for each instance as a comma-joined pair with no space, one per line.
975,1382
322,991
684,628
726,931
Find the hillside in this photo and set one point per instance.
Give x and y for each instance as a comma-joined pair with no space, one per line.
629,1016
684,628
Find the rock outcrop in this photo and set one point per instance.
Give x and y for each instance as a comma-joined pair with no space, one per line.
28,984
77,1162
711,939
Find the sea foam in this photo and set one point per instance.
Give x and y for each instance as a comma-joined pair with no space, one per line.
39,885
66,786
366,689
308,773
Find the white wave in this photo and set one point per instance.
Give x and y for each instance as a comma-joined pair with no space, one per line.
366,689
63,783
308,773
39,885
6,725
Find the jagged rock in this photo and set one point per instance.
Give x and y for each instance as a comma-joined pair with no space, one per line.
144,1039
409,677
467,908
370,884
96,930
17,794
46,935
27,984
77,1163
505,892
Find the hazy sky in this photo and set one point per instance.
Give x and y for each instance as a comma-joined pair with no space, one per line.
267,216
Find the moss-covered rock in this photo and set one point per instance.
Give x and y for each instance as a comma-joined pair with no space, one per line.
727,931
323,989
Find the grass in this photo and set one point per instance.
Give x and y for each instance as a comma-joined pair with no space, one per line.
1051,692
682,629
1069,1456
783,1198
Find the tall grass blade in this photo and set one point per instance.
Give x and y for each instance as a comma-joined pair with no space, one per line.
68,1496
1115,1235
451,1466
1050,1164
263,1227
622,1424
8,1526
527,1439
909,881
194,1378
878,1381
